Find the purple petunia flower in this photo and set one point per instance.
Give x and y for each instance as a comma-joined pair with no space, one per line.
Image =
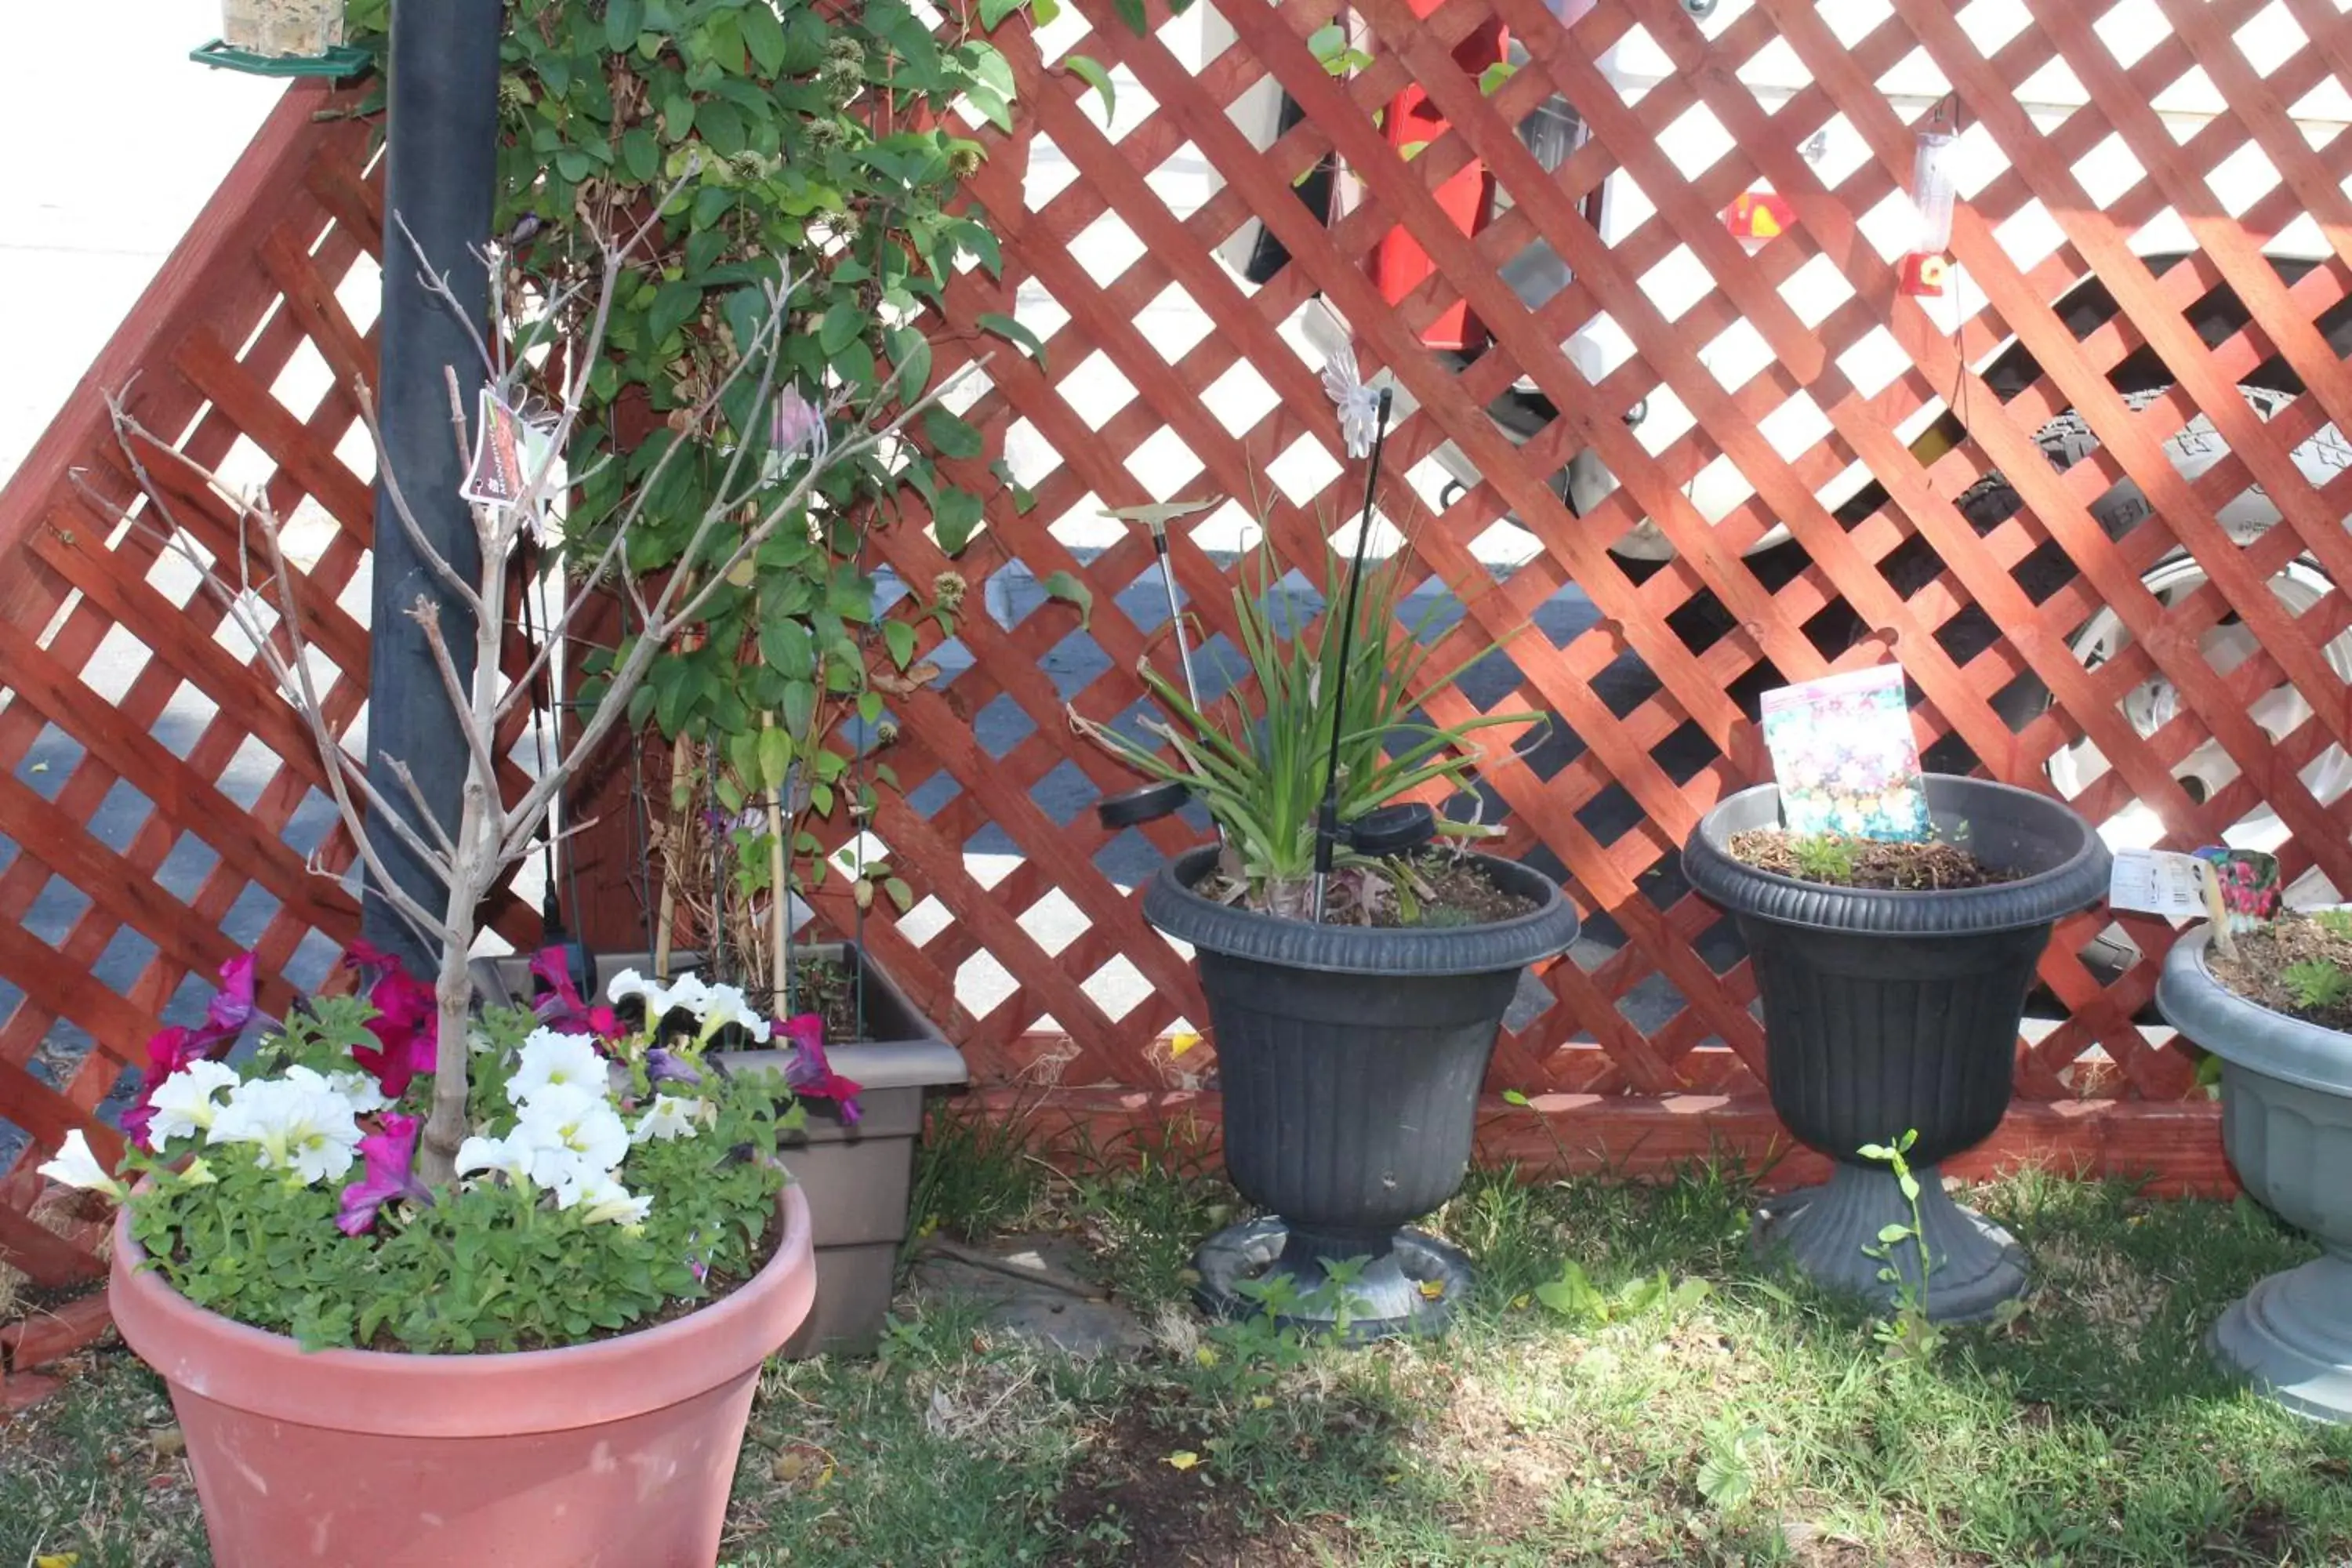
390,1156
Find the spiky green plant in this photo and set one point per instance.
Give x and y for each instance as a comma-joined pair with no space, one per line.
1823,857
1260,769
2316,983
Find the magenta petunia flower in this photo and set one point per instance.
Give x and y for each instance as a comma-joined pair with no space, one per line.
169,1050
407,1022
562,1008
390,1156
808,1072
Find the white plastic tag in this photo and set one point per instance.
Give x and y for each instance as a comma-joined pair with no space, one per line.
2159,882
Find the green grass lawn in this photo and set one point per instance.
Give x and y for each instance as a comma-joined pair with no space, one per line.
1754,1422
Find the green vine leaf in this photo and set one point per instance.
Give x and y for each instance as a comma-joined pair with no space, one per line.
950,435
1066,586
900,638
1089,70
1012,331
955,516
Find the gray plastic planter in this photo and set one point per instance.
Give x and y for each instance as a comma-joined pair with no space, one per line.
1886,1013
1349,1059
857,1178
2286,1121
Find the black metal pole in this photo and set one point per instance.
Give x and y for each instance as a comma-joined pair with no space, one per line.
1326,819
441,179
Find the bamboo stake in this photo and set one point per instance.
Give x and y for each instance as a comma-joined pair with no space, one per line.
779,896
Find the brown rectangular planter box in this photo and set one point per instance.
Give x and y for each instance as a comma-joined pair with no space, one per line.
857,1178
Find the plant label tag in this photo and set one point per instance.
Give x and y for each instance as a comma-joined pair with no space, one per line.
1845,756
509,450
2248,884
2159,882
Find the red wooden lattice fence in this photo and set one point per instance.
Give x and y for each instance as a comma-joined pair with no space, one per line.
160,801
1166,372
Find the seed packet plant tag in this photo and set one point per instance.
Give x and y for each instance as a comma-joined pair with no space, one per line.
2162,882
1845,756
507,451
2247,881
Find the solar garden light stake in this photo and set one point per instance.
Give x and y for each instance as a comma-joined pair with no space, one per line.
1326,822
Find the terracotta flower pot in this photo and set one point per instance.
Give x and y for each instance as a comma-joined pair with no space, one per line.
618,1454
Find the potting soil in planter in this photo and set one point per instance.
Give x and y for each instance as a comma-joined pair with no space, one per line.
1834,860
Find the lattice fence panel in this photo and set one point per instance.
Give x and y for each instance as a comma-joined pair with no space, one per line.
2110,628
163,808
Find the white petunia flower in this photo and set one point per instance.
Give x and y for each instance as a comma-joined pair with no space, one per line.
602,1200
509,1157
670,1118
361,1089
298,1122
183,1103
714,1006
76,1167
719,1005
567,1130
1359,406
553,1060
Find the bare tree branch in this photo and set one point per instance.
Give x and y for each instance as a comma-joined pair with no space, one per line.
434,559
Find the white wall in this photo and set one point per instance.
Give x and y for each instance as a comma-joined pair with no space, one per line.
117,140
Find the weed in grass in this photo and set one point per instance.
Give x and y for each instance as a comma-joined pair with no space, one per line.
974,1175
1910,1335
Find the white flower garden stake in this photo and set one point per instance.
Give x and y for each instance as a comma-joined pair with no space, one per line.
1358,405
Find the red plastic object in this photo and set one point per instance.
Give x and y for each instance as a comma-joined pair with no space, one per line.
1922,276
1399,263
1760,215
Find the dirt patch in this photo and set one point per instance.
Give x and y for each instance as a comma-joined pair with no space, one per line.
2295,965
1834,859
1125,1503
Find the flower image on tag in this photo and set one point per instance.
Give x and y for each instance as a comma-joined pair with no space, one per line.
1845,756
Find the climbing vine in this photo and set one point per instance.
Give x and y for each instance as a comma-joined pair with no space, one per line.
807,140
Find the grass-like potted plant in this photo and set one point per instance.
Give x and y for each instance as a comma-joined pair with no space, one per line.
2277,1012
1356,971
1894,977
536,1360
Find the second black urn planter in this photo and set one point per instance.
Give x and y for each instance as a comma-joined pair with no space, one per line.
1894,1012
1350,1058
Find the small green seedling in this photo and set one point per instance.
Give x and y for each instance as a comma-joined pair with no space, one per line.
1910,1335
2336,922
2316,983
1823,857
1574,1296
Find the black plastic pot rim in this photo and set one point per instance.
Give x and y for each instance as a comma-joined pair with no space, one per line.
1170,904
2075,883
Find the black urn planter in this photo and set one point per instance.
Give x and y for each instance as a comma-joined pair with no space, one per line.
1894,1012
1350,1058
